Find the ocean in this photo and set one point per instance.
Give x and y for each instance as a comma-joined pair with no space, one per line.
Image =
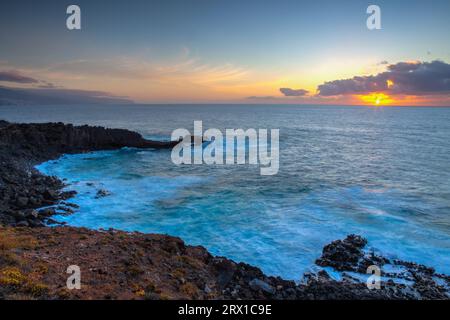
383,173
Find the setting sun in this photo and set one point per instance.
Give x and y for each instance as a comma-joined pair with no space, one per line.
376,99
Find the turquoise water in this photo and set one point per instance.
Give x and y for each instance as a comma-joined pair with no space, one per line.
379,172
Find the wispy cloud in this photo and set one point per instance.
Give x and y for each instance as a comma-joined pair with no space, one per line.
188,70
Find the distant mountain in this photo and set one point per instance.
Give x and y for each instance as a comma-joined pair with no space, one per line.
25,96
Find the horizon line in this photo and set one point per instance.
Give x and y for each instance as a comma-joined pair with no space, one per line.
286,104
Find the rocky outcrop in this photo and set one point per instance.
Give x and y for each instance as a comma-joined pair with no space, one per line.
248,282
120,265
343,255
43,141
22,188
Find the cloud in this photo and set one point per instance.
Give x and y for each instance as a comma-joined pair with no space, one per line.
14,76
288,92
17,77
45,92
47,85
403,78
175,77
355,85
180,70
27,96
261,98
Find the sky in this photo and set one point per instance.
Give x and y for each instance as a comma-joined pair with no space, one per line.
228,51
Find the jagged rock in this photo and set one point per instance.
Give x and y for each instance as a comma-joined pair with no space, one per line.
67,194
66,210
22,202
31,213
343,255
18,215
50,194
47,212
225,270
102,193
257,284
69,204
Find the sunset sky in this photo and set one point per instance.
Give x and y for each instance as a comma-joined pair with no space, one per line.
230,51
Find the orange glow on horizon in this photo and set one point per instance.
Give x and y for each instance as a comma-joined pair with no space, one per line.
377,99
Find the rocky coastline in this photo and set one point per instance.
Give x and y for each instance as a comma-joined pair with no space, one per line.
22,146
120,265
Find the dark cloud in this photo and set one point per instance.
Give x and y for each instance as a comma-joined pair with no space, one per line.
355,85
409,78
25,96
405,66
44,92
14,76
288,92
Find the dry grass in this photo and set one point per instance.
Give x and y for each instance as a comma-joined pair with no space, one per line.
13,272
9,240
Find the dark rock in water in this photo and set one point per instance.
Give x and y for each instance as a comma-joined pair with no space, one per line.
343,255
67,194
348,255
72,205
47,212
102,193
416,267
65,210
371,259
